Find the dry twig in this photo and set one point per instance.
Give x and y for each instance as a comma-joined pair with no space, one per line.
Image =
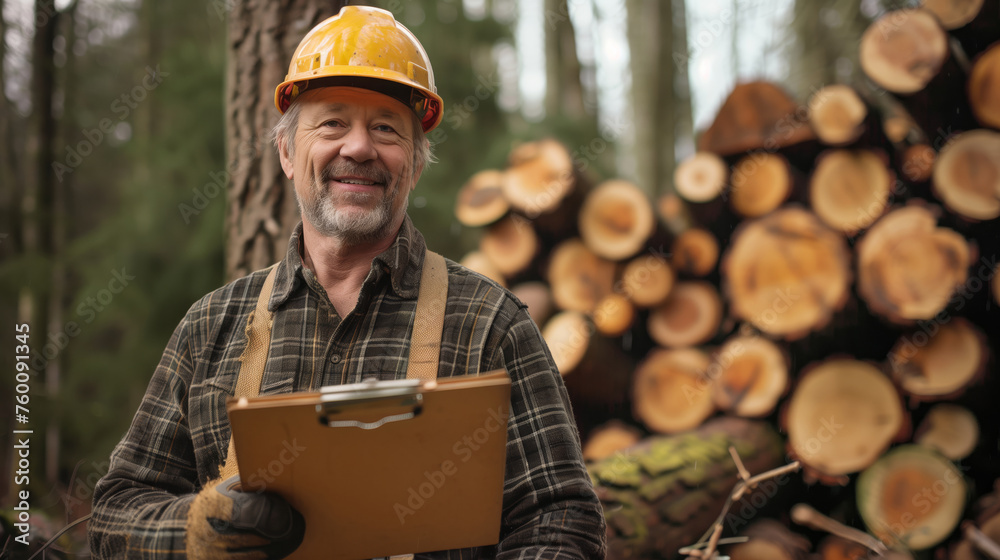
804,514
984,544
705,548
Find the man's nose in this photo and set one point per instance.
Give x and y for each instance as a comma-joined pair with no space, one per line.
358,145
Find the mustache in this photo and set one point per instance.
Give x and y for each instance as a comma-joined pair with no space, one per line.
370,171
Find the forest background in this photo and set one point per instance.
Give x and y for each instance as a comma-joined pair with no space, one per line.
114,214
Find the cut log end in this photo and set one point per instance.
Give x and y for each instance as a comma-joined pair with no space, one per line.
670,392
941,365
567,335
908,268
476,261
538,298
481,202
701,178
510,244
841,417
836,114
749,375
579,279
761,182
889,492
695,252
691,315
918,162
950,429
756,115
616,220
647,280
604,441
967,174
849,190
614,315
787,273
903,50
770,540
951,13
538,177
984,87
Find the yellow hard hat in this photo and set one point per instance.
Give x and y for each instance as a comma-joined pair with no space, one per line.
364,47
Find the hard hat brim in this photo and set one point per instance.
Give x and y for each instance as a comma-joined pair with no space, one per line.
425,103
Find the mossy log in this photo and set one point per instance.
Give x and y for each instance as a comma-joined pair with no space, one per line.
663,493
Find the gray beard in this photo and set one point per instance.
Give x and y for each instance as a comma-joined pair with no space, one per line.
352,229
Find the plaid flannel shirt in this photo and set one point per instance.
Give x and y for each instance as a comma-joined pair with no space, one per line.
180,434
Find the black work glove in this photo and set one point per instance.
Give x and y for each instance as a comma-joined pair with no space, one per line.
224,522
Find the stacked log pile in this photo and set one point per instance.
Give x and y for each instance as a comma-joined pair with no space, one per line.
819,286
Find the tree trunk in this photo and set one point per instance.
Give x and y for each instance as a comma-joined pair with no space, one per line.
563,89
262,209
41,198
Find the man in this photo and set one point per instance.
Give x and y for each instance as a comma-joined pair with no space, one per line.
356,105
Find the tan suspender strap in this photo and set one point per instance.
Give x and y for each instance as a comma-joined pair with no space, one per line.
252,361
428,322
425,342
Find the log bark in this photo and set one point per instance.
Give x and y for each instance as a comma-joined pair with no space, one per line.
786,273
480,201
940,365
695,252
906,52
671,392
967,175
761,182
850,189
647,280
511,244
770,540
950,429
691,315
579,279
749,374
889,492
609,439
756,115
841,417
908,268
984,87
663,493
616,220
261,208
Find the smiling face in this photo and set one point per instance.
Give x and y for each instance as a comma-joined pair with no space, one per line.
353,163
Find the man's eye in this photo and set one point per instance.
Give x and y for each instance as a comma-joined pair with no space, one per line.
332,124
384,128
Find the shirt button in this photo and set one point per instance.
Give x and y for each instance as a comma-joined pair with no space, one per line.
335,358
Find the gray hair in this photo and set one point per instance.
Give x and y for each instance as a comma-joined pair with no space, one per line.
284,131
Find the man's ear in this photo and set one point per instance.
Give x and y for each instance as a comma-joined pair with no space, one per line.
286,160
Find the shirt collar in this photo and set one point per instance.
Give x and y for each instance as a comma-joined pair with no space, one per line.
403,260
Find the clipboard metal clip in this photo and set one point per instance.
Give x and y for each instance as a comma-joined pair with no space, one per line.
367,395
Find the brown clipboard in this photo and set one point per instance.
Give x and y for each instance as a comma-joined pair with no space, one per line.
382,468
